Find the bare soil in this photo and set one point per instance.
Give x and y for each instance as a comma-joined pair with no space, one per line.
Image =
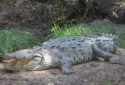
90,73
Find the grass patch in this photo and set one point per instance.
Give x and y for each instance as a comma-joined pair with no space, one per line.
107,28
12,40
83,29
74,30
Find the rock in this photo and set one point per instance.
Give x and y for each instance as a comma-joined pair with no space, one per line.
112,9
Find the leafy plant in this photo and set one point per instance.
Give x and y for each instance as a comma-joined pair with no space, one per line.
74,30
58,11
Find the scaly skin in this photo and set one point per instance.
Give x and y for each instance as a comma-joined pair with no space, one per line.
63,53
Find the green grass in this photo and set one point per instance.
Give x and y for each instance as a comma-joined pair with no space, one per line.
83,29
74,30
107,28
12,40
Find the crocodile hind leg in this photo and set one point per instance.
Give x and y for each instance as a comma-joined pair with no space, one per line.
106,55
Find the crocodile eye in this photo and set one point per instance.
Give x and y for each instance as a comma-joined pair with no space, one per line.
37,55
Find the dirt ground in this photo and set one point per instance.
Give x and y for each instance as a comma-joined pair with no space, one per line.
90,73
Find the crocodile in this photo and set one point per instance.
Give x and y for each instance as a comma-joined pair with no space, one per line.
63,53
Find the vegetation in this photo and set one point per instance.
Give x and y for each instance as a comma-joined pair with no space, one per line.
74,30
83,10
84,29
12,40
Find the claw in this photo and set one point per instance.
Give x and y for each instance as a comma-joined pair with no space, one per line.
67,71
67,68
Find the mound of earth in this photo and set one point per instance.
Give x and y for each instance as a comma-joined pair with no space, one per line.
91,73
28,14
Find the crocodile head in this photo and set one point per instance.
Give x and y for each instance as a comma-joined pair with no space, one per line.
26,59
107,42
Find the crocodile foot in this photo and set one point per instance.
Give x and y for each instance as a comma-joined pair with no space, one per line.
116,60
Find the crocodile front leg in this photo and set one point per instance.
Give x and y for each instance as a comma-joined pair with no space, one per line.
106,55
66,66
